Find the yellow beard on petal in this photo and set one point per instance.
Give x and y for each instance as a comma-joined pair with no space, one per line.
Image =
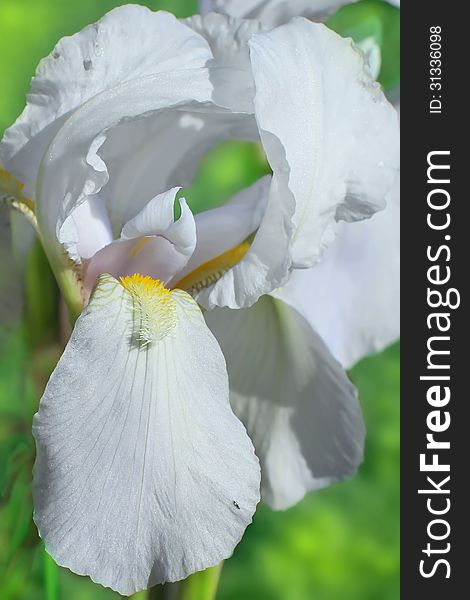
154,306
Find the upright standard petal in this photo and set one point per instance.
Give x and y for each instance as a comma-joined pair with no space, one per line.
352,296
129,43
143,473
71,169
295,400
338,132
274,12
176,140
228,39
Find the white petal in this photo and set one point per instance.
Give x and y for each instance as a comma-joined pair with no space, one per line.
352,297
87,229
152,243
295,400
339,134
72,170
227,38
274,12
176,141
154,256
268,259
157,218
143,473
222,228
129,43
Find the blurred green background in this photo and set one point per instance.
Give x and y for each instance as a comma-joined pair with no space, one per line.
339,544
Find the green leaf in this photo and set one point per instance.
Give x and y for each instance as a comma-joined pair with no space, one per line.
16,517
16,450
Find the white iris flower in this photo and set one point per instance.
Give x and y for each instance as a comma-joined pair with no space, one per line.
143,473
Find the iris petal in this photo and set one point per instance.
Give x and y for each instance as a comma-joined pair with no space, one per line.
143,473
294,398
338,132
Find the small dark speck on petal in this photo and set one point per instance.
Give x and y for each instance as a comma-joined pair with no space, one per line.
87,64
236,505
56,54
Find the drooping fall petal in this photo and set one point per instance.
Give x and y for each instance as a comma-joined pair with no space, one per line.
296,401
143,473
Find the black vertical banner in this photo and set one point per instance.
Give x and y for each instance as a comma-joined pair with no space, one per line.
435,256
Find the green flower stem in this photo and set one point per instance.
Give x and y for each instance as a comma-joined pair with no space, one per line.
199,586
67,280
71,292
41,297
51,576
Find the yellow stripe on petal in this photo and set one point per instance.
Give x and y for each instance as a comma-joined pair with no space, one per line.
211,271
154,306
